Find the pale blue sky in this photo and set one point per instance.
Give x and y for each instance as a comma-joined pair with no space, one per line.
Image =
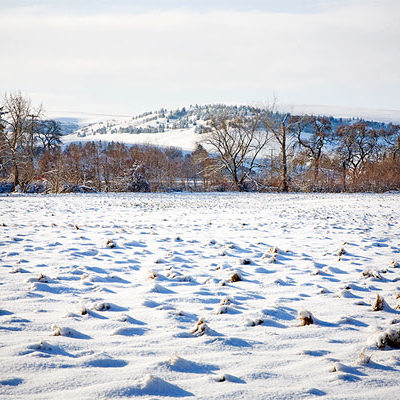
126,57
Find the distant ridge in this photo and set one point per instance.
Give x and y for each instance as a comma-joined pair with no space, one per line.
183,127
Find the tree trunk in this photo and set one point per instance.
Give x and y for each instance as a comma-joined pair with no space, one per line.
344,177
16,175
316,171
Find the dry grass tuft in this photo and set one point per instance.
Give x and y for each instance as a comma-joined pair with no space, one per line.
57,331
341,252
153,275
255,322
369,273
235,277
305,317
102,306
110,244
379,303
271,254
390,337
200,328
273,251
42,278
84,310
363,358
222,310
225,301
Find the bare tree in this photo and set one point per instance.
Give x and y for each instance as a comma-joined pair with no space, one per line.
16,136
238,142
282,128
3,144
48,133
52,170
206,167
356,145
391,137
313,133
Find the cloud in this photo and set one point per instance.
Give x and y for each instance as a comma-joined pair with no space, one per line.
123,61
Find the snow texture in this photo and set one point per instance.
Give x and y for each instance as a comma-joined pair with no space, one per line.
100,300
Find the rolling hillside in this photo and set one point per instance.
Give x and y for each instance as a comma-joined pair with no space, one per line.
183,127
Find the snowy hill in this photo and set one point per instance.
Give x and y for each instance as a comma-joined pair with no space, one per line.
183,127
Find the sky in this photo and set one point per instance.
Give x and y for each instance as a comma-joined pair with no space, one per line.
124,57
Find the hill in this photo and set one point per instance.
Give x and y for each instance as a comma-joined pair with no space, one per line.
183,127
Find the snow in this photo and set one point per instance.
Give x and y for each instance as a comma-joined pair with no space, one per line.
158,314
180,129
155,129
185,139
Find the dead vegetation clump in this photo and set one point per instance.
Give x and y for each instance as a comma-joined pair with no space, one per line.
369,273
271,255
363,358
41,346
42,278
397,297
235,277
84,310
225,301
200,328
305,317
58,331
102,306
222,310
337,367
390,337
110,244
254,322
153,275
273,251
340,253
378,304
245,261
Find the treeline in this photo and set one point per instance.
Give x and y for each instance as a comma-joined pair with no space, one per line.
308,153
251,149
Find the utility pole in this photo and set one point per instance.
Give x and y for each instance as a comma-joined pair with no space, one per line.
32,137
272,164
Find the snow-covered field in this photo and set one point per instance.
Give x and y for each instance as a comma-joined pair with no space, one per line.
117,296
